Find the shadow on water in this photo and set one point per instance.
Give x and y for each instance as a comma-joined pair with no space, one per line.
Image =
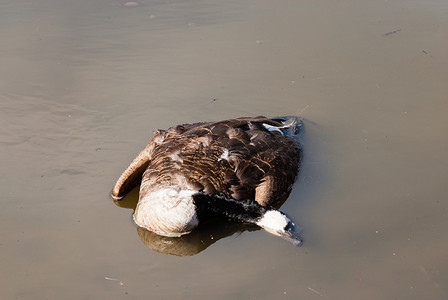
198,240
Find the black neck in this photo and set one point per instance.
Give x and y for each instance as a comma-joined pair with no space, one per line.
223,206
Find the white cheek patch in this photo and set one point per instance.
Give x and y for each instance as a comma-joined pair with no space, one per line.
273,221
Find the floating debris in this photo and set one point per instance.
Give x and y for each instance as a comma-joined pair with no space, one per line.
114,279
131,3
392,32
315,291
108,278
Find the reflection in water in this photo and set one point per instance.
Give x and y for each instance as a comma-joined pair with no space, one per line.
198,240
202,237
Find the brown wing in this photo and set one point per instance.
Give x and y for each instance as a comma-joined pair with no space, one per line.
270,168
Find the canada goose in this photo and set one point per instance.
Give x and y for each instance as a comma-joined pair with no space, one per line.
234,169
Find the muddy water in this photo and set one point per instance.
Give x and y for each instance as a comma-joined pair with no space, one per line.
84,83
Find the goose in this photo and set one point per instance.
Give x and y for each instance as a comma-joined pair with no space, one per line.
234,169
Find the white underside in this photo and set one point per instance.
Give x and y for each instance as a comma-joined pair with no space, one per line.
169,211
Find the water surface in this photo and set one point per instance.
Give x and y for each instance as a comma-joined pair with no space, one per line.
84,83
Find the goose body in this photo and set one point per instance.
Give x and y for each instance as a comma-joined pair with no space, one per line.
234,168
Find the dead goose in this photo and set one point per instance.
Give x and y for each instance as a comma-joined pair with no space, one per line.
234,169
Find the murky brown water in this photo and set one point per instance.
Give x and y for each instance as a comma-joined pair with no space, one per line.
83,84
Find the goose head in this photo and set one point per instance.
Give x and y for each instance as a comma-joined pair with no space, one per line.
277,223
